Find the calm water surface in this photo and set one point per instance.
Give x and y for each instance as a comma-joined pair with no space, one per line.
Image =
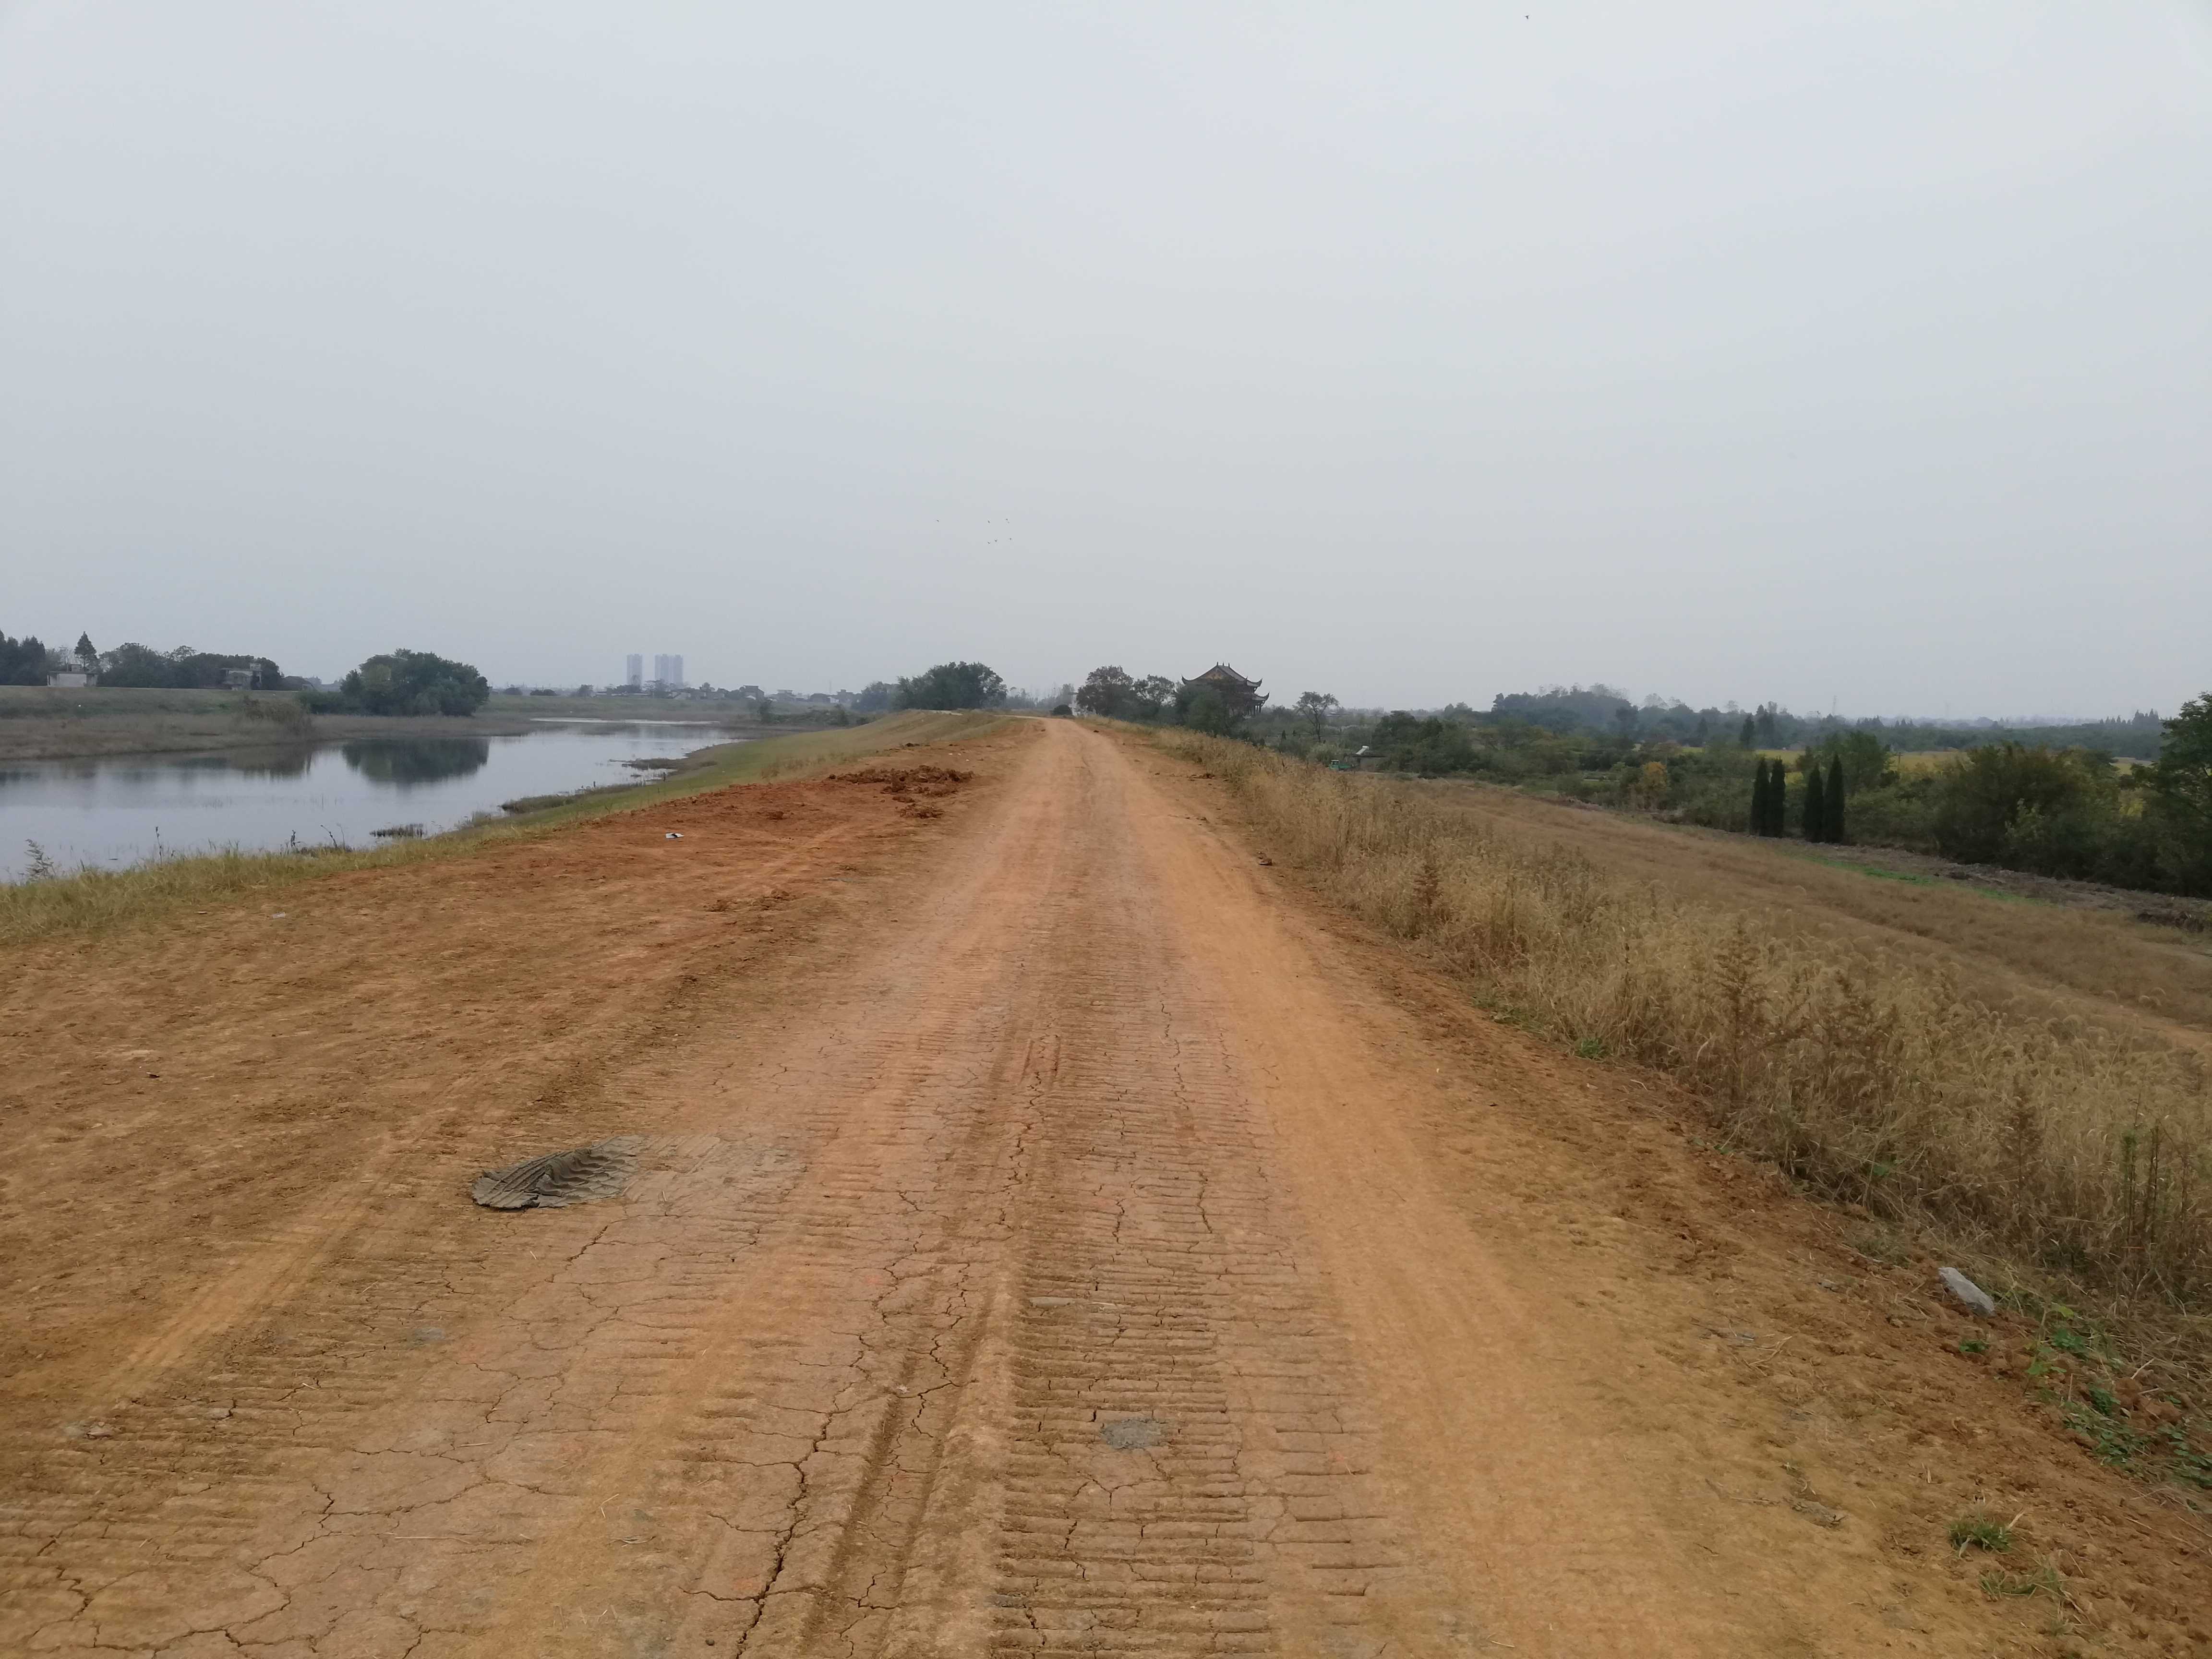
113,812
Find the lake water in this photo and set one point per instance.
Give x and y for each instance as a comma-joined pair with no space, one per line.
111,812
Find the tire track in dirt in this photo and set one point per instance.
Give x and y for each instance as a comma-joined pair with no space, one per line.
1187,1472
186,1517
1000,1195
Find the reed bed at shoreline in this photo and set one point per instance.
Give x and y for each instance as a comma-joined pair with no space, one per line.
2061,1144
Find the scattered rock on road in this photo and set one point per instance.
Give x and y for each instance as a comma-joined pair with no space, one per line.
1133,1433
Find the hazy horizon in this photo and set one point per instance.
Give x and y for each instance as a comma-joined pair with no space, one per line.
1851,358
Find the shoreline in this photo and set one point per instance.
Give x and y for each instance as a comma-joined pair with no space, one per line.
96,898
46,724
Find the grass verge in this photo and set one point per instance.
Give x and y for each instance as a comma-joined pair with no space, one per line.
92,900
2060,1147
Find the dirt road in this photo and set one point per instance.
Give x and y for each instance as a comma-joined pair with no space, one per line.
1049,1236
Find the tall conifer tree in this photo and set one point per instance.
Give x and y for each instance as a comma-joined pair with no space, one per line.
1759,798
1835,800
1816,805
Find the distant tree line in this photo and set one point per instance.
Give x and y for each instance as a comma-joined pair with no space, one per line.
1601,709
184,669
1112,692
28,661
2006,798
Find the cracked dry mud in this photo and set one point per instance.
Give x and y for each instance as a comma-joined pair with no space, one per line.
1041,1240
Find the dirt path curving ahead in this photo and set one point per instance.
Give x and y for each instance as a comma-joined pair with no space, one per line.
1049,1236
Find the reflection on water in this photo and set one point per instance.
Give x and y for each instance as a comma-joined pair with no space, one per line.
108,813
410,760
292,761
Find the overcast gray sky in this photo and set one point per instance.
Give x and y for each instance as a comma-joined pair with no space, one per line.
1831,353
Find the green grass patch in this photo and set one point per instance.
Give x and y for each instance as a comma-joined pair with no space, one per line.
1905,876
1977,1530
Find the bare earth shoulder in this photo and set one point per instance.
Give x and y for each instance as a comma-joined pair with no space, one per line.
1041,1229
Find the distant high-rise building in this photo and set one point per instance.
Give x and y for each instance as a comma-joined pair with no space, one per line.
668,672
635,665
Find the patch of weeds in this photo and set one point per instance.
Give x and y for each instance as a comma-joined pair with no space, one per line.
1973,1344
1590,1048
1996,1582
2184,1460
1977,1530
1884,875
2109,1440
2067,1339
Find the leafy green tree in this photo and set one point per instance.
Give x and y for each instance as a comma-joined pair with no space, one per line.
951,685
1109,693
875,697
1984,794
1867,763
133,665
414,683
1777,799
2181,791
1748,738
23,662
1816,804
88,659
1153,696
1206,710
1313,707
1430,746
1832,827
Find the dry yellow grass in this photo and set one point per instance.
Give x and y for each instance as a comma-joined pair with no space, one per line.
1924,762
2066,1144
2038,958
96,899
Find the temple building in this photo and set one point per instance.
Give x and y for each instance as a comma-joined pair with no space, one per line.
1239,696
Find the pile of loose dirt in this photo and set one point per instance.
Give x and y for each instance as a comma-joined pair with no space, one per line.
906,784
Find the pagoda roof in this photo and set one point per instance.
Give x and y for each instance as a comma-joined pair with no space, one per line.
1222,671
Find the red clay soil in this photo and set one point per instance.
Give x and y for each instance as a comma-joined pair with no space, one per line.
1051,1233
